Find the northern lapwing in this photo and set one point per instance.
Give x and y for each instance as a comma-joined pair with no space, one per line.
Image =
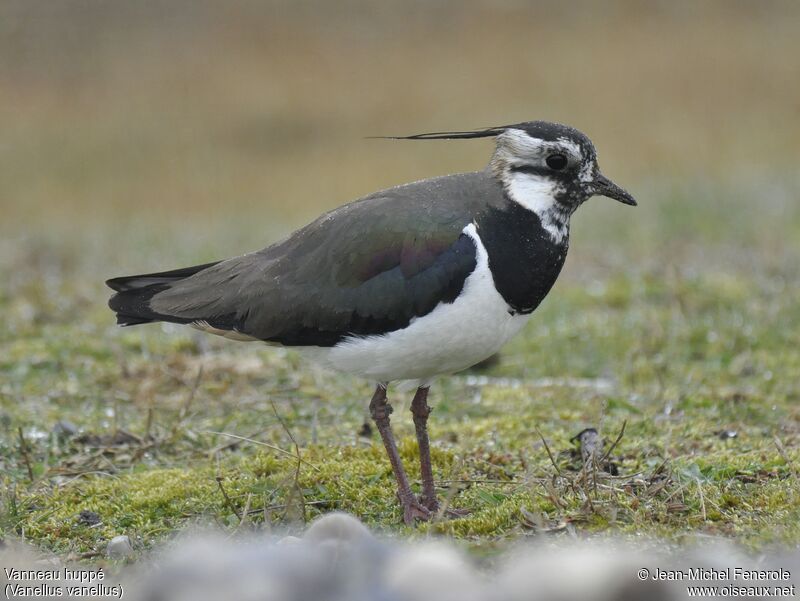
409,283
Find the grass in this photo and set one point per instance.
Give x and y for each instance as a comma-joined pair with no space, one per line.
698,360
127,149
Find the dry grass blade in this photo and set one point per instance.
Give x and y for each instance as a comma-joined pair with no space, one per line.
245,515
615,443
263,444
187,404
23,450
549,453
452,491
702,499
296,480
228,501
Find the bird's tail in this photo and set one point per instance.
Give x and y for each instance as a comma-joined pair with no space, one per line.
131,302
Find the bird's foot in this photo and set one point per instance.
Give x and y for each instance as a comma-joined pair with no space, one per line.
414,510
433,505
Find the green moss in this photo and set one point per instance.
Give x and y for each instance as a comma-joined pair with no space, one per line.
700,360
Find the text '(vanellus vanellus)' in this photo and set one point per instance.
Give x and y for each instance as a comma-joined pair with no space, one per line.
408,283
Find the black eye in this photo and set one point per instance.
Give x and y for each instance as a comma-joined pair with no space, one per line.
556,161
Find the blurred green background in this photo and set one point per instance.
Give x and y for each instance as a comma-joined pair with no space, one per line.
146,135
198,119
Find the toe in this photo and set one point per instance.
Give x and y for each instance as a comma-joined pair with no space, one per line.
414,511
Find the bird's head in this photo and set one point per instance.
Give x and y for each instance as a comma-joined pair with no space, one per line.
540,162
554,158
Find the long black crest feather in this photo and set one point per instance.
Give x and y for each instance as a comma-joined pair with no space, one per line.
489,132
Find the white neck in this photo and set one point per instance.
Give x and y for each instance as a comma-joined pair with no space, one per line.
537,194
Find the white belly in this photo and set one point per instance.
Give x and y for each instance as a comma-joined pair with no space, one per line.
450,338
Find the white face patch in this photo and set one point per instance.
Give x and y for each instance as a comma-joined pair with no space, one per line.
533,192
537,194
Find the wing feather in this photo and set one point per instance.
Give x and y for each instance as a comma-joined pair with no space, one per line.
369,267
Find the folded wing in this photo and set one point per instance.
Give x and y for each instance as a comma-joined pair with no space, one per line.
367,268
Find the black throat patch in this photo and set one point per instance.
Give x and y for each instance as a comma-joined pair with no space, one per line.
523,258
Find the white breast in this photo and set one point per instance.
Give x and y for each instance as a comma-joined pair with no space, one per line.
450,338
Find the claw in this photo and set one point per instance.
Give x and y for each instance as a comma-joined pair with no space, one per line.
433,506
431,503
414,510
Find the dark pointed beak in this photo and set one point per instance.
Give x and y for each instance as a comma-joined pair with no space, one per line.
602,186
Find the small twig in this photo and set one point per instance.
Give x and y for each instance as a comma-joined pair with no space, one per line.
452,491
228,501
84,555
524,462
231,444
263,444
187,404
616,442
784,455
73,476
591,446
622,476
23,449
465,481
296,482
287,430
148,425
702,499
245,513
552,494
656,488
269,508
549,453
314,419
267,516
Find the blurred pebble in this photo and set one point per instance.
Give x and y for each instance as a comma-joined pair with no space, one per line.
338,559
290,540
340,527
65,429
431,571
119,547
